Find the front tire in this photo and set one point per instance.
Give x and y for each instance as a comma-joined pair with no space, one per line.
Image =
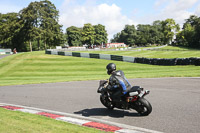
143,107
106,102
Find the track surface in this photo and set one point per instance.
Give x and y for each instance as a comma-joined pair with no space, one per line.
2,56
175,101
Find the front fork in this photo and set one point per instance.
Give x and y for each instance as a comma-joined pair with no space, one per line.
108,95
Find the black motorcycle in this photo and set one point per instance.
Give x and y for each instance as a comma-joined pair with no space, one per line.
133,100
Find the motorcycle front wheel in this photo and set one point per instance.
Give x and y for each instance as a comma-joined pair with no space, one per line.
143,107
106,102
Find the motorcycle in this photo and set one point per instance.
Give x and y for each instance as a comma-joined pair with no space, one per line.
133,100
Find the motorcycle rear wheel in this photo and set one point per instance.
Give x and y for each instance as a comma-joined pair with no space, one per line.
143,107
106,102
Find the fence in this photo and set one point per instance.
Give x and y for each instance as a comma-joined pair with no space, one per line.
151,61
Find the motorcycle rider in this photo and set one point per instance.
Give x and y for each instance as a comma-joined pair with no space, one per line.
118,83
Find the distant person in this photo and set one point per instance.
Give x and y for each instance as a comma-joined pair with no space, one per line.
14,51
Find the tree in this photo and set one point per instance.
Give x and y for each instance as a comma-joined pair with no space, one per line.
170,28
189,36
100,34
74,36
88,34
144,35
156,33
29,15
115,38
196,43
10,26
128,35
41,22
192,20
37,23
52,32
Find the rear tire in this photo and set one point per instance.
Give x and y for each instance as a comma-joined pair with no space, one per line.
106,102
143,107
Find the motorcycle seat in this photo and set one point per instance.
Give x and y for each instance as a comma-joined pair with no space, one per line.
134,89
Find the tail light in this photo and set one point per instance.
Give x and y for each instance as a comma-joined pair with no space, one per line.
131,99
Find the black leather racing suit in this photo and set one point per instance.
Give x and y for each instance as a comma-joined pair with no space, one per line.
118,84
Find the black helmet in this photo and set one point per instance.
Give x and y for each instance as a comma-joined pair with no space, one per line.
110,68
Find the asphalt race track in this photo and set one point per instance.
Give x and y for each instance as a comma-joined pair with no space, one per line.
175,102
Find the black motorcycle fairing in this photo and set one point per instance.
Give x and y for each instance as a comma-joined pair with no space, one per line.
101,86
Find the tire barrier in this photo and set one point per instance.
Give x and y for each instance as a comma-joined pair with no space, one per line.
197,62
116,57
76,54
94,56
61,53
142,60
168,62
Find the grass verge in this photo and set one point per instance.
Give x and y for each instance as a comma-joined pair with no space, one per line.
168,52
37,67
19,122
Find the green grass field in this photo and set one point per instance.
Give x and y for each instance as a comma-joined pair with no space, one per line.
37,67
180,53
19,122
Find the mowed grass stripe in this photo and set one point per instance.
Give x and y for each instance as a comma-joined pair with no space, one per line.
38,67
183,53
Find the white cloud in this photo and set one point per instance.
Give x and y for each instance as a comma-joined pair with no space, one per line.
72,14
180,5
160,3
178,10
197,12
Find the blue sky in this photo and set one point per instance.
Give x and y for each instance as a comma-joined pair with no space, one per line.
114,14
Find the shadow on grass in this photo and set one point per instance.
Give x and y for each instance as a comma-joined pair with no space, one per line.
106,112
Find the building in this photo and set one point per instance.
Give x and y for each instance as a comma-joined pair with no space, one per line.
115,45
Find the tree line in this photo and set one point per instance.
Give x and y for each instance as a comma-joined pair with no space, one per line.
89,34
36,24
36,27
162,32
190,35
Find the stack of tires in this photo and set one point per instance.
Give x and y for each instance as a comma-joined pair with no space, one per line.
168,62
197,62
